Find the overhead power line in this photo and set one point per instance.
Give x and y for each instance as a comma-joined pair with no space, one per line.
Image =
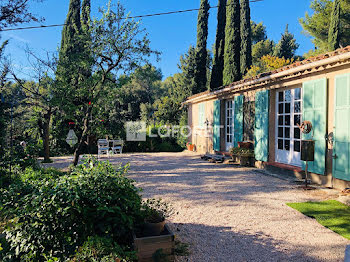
129,17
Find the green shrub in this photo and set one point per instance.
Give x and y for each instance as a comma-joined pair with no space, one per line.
56,214
156,210
98,249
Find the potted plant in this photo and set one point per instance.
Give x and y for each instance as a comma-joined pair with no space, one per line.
156,212
190,146
244,156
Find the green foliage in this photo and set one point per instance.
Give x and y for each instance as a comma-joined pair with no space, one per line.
2,129
287,46
72,47
318,23
237,151
246,37
114,43
56,214
262,48
18,157
218,63
334,28
232,65
200,74
258,32
156,210
266,64
181,249
3,106
157,141
143,86
85,15
102,249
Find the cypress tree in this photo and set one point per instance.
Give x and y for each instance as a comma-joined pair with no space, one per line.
85,25
200,76
71,32
72,67
85,14
232,67
246,37
218,64
334,29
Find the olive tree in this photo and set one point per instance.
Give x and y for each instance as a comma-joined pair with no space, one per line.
118,44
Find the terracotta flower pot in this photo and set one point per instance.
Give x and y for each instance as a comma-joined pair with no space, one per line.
247,145
190,147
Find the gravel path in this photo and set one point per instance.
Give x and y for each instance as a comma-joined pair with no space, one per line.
228,213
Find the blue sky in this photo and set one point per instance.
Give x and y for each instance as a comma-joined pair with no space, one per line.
170,34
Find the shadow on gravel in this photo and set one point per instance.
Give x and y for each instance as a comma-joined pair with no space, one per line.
226,245
188,177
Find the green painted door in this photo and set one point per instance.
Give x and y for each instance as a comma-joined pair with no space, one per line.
315,110
238,120
341,145
216,126
261,131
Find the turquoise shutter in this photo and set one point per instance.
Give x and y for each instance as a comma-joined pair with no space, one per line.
216,130
261,131
341,145
315,110
238,120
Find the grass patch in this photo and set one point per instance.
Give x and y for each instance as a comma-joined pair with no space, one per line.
331,214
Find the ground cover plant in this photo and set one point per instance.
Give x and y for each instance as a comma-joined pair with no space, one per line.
85,215
331,214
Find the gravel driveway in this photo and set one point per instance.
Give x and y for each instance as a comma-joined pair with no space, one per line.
229,213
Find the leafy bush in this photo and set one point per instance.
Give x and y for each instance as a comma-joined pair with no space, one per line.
99,249
57,213
156,210
17,156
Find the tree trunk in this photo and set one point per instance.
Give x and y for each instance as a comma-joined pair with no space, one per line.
46,135
83,138
44,126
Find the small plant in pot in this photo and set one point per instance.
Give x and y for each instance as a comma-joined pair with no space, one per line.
156,211
190,146
244,155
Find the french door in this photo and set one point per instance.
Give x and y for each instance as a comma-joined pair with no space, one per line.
288,135
229,124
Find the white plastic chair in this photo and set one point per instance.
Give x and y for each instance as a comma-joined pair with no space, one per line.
103,147
117,146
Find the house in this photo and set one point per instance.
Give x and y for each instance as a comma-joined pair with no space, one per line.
268,108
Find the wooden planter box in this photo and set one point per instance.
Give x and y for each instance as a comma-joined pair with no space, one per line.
147,246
